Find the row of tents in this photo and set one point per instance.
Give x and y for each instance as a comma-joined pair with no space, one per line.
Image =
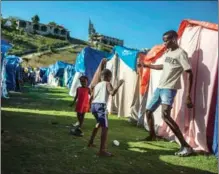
199,125
58,74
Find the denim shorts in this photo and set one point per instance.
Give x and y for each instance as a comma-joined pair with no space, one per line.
99,110
161,96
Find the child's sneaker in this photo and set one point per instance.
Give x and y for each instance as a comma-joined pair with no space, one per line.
105,154
77,132
75,124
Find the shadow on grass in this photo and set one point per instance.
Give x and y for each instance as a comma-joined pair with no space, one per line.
39,99
31,144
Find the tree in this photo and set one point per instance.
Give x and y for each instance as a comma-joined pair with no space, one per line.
52,23
35,19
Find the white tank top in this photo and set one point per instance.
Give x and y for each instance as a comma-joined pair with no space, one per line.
101,94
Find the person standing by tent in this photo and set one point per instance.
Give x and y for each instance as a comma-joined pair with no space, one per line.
175,62
18,78
37,76
99,100
32,77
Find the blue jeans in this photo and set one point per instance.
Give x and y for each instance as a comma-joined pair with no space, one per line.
161,96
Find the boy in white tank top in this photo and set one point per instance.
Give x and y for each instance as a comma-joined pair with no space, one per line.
99,100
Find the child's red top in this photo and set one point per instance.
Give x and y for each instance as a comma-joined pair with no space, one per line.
82,105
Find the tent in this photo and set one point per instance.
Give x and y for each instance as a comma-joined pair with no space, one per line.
56,73
200,41
86,63
13,71
43,75
5,46
122,63
69,75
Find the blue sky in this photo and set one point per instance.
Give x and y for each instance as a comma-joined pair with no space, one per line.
140,24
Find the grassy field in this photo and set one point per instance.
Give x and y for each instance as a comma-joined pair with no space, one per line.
32,145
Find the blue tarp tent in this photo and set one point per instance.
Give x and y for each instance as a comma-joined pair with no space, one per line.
129,56
88,61
42,71
57,71
13,71
43,74
69,74
46,74
215,140
123,66
5,46
59,68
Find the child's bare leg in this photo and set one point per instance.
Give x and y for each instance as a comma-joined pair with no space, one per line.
94,133
81,119
103,151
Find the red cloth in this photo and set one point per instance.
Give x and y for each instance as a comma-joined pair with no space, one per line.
82,105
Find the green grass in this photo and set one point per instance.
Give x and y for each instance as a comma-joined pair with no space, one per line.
32,145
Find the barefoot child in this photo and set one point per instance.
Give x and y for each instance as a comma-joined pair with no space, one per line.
100,97
82,98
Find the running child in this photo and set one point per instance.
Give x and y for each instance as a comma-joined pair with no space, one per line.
82,98
100,97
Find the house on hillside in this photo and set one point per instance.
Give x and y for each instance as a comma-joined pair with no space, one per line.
43,29
95,37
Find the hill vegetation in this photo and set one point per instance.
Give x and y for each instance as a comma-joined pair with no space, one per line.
42,60
37,50
24,43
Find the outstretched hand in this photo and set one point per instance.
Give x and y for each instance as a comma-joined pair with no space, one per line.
121,82
104,60
189,102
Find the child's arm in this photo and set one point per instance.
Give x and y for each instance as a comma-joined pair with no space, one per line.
114,91
76,97
91,95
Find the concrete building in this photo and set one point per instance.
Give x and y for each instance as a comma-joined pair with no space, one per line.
43,29
95,37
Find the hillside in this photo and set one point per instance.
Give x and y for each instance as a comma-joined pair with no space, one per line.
40,51
47,58
52,49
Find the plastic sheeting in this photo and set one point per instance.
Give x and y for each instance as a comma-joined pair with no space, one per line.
215,139
5,46
128,56
55,73
43,74
13,71
75,84
123,66
69,75
87,63
58,68
88,60
42,71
